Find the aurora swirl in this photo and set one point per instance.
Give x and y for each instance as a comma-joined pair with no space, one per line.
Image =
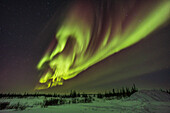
93,30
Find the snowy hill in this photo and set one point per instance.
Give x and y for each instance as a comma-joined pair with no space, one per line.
150,95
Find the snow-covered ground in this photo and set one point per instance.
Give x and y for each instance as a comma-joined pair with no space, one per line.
144,101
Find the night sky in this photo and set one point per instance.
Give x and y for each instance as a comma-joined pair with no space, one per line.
28,26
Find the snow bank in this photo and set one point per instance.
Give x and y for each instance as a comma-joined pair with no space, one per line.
150,95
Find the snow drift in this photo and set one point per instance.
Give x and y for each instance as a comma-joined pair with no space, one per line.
150,95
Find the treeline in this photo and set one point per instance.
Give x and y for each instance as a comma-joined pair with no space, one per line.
119,93
123,92
166,91
25,95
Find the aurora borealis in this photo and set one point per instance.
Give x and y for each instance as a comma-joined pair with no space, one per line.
92,31
86,45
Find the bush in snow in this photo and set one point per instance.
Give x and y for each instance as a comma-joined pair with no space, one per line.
50,102
17,106
4,105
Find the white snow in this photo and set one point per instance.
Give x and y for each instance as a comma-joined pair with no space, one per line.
150,95
144,101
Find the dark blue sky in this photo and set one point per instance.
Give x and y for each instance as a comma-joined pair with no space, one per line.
26,29
21,42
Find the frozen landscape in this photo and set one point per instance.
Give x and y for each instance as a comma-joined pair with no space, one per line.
143,101
71,56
